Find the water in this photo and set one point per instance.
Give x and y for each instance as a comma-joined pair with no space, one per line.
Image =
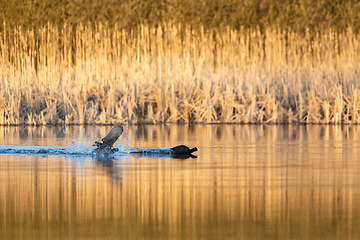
248,182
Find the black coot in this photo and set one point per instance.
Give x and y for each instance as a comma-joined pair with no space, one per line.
182,149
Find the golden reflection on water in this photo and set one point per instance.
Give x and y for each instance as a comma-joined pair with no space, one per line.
248,182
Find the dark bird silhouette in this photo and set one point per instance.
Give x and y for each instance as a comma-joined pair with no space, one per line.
109,140
182,149
106,146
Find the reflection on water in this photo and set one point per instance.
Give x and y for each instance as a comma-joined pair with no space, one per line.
248,182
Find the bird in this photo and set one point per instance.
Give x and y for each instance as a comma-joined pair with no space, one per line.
106,146
182,149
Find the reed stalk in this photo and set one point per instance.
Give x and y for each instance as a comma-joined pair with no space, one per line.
173,74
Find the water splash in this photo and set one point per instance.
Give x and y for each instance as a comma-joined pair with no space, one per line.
149,151
82,146
124,142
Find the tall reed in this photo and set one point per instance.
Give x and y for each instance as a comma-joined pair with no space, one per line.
171,73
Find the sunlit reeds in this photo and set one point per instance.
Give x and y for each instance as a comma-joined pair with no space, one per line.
88,75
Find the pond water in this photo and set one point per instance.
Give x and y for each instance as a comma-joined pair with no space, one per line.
248,182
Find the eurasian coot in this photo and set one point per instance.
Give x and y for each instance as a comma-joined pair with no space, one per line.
182,149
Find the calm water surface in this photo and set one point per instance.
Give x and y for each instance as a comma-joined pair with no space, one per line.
248,182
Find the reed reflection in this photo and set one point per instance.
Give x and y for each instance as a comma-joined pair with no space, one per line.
285,182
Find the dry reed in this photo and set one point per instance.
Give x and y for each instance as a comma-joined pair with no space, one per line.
87,75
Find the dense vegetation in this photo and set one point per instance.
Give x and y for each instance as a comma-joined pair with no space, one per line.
290,14
86,62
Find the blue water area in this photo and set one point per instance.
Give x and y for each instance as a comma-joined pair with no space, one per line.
81,150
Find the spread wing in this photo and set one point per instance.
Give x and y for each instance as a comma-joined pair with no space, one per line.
113,136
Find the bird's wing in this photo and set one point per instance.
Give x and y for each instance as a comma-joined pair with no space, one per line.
113,136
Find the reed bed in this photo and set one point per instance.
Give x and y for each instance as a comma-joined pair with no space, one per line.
173,74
